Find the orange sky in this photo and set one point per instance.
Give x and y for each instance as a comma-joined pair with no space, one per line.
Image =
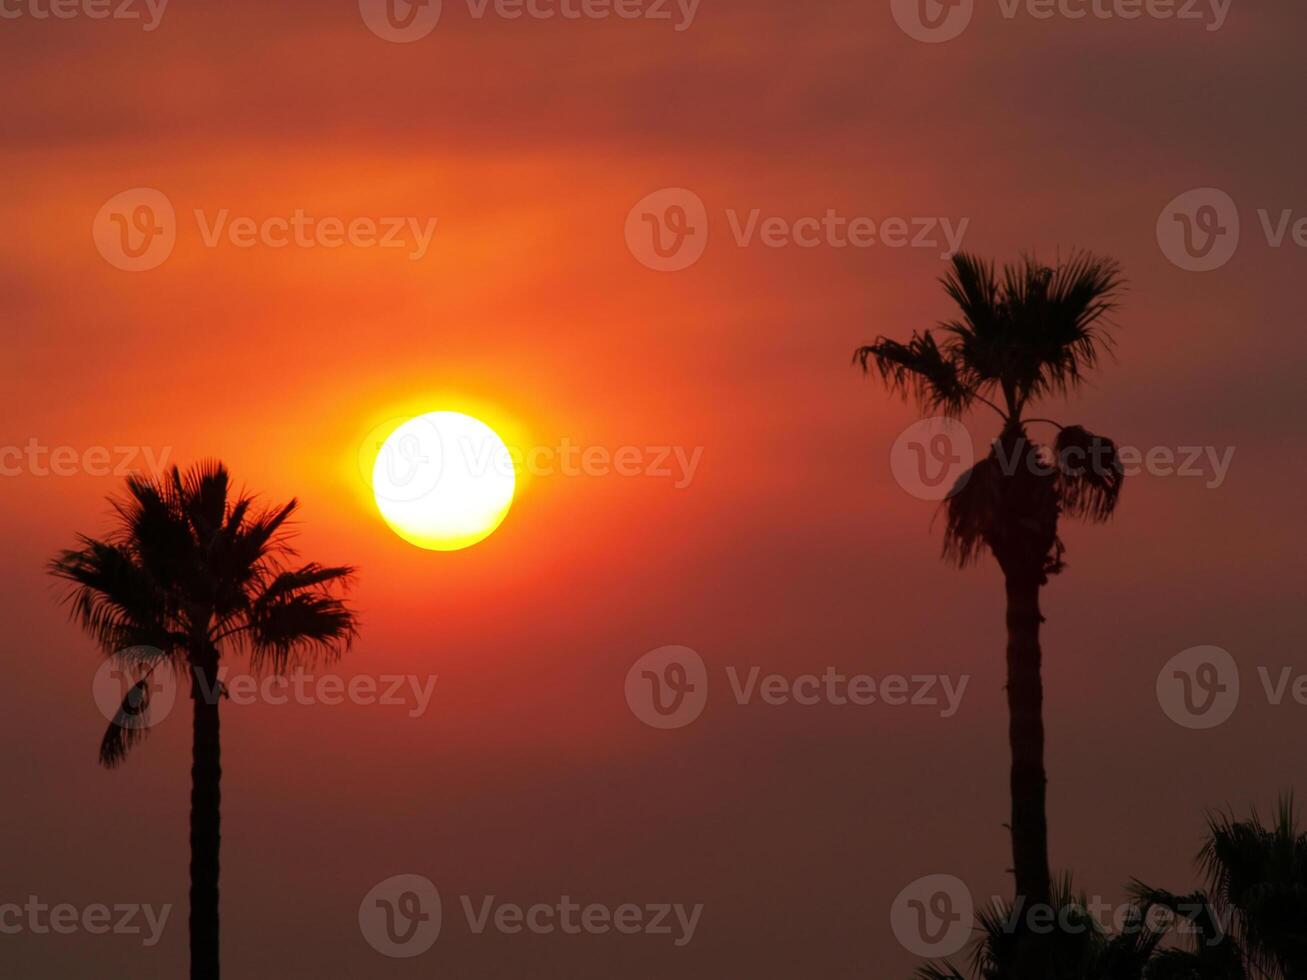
791,549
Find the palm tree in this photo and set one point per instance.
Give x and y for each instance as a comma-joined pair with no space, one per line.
1073,946
1019,338
191,571
1256,878
1250,923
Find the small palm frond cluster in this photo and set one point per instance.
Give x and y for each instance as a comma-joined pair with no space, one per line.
1027,333
190,567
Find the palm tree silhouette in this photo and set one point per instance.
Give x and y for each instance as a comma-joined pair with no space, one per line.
1249,924
189,571
1076,947
1256,877
1021,337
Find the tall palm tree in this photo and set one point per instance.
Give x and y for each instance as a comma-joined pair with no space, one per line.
189,572
1020,337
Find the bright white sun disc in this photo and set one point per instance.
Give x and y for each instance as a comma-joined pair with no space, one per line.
444,481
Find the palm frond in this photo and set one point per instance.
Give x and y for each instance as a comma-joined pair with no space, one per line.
202,493
938,971
972,510
1257,874
1209,952
1091,473
1008,504
131,722
298,627
113,598
1058,319
918,369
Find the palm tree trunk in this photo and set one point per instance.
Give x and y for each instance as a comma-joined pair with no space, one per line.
1025,698
206,816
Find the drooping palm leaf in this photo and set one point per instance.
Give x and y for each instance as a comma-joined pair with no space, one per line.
1008,504
131,723
1091,473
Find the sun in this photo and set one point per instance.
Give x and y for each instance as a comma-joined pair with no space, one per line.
444,481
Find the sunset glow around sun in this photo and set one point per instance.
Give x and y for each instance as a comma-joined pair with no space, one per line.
443,481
